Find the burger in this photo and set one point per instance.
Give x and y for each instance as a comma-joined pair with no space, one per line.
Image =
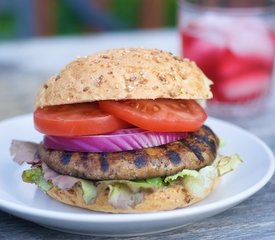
124,133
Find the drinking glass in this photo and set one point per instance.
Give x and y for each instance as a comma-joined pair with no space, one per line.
233,42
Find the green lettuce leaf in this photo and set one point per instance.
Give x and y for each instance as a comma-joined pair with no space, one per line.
182,174
35,175
89,191
121,196
204,182
226,164
125,193
222,143
198,183
155,182
136,186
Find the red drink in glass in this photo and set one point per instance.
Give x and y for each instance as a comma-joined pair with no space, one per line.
235,49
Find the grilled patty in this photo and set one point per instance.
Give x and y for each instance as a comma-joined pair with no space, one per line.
197,150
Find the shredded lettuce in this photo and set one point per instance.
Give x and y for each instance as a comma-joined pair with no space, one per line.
89,191
200,182
201,185
226,164
181,174
65,182
35,175
196,182
156,182
136,186
222,143
125,193
120,196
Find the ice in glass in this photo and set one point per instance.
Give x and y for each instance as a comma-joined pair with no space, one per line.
235,48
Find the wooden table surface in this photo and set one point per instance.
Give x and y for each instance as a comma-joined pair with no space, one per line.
25,65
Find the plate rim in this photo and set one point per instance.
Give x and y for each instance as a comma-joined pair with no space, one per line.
94,217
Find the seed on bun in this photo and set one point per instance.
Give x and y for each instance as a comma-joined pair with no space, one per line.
130,73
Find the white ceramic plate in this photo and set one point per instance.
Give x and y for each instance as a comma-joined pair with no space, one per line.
25,201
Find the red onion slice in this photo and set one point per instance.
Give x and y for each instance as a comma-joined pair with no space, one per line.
121,140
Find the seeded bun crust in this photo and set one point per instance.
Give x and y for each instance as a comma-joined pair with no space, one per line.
132,73
167,198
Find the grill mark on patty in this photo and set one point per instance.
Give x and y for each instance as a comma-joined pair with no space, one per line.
83,155
208,141
140,161
195,149
206,138
84,159
104,162
174,157
192,152
65,157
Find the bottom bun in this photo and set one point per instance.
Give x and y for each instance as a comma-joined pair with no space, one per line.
166,198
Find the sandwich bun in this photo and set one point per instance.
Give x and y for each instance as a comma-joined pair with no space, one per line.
166,198
117,74
120,74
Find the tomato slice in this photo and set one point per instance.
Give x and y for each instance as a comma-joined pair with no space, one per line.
76,120
162,115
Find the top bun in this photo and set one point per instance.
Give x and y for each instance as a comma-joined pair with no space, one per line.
126,73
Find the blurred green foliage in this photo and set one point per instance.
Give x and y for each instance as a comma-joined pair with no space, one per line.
68,21
7,24
127,13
